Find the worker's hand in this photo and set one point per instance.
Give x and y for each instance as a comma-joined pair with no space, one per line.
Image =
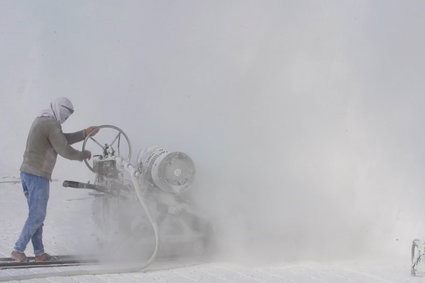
86,154
92,130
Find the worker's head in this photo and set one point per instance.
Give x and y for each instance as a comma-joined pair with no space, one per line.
61,108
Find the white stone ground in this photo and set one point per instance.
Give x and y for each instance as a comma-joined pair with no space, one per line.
68,230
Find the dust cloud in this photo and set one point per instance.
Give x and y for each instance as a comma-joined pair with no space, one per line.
304,118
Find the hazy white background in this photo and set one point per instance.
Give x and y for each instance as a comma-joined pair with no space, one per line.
304,118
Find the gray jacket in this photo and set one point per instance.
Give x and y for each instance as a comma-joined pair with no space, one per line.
45,141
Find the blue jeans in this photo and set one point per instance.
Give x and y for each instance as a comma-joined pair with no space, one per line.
36,190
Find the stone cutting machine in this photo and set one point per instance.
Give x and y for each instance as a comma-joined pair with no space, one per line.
144,208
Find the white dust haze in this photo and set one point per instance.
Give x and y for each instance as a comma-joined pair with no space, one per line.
304,118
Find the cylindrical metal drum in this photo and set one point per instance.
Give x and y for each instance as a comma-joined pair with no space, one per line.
172,172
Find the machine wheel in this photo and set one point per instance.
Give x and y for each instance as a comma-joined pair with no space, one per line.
108,150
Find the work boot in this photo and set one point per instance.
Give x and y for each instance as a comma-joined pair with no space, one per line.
44,257
19,257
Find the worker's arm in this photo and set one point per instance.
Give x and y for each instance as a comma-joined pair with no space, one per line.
61,145
75,137
81,135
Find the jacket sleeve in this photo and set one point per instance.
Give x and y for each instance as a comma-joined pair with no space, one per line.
75,137
60,144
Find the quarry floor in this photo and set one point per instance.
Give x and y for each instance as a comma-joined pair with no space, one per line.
68,230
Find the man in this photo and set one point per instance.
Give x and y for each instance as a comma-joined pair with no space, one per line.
45,141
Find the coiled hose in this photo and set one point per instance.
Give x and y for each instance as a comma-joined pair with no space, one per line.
134,173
